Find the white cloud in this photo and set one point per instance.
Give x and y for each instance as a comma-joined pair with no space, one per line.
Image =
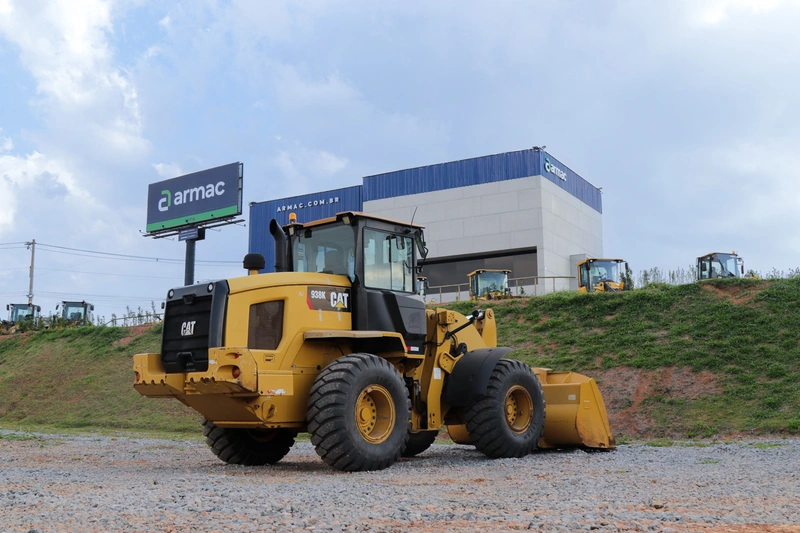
305,169
64,45
712,13
22,175
6,144
168,170
328,163
293,91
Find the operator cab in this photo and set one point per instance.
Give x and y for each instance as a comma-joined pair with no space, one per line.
21,312
489,284
76,312
594,272
379,256
720,265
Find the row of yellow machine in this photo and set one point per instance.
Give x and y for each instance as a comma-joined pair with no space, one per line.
349,353
595,275
67,313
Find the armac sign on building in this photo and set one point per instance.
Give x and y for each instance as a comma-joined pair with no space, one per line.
193,199
524,211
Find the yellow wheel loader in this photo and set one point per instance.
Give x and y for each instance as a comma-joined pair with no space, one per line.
337,343
603,275
22,317
720,265
489,284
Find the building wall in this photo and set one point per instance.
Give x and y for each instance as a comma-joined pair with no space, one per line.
524,213
568,228
524,201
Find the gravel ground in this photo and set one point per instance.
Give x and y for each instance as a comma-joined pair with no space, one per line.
102,484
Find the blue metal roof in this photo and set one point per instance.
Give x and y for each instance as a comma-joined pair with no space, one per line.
480,170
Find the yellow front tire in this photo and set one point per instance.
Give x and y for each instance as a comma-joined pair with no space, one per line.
508,420
359,413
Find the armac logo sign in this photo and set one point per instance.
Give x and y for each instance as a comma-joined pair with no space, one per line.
552,169
190,195
188,200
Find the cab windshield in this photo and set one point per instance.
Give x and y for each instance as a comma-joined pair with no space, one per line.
21,313
328,249
602,271
490,282
74,312
719,266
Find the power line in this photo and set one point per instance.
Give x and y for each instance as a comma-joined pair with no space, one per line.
106,297
104,273
131,257
11,243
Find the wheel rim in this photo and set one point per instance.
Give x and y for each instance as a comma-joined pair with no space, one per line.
518,409
375,414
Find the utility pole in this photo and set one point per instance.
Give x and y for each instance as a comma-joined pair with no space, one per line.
32,247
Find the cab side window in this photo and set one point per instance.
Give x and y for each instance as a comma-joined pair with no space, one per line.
585,275
265,327
388,261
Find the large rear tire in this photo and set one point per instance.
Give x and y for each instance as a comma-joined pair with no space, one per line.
508,420
248,447
359,413
419,442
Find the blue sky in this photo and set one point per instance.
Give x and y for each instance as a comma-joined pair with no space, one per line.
684,112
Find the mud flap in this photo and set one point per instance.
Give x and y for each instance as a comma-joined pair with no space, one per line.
576,414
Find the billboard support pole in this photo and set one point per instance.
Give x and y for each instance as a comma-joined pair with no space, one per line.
188,278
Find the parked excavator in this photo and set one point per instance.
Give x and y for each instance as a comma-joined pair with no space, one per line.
603,275
489,284
720,265
348,352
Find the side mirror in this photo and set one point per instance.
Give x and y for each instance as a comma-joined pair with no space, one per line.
163,305
91,308
57,306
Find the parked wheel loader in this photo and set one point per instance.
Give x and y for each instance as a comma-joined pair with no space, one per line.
22,317
489,284
337,343
720,265
74,313
603,275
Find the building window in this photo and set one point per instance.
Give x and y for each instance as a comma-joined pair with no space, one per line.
454,271
265,328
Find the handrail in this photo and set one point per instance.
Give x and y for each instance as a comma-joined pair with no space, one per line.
516,287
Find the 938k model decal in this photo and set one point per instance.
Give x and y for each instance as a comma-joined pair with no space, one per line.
328,299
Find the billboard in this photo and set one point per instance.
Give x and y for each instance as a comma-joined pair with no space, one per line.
196,198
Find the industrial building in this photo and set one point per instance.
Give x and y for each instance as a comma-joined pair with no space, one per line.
524,211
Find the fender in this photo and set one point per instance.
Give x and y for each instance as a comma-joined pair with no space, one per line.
471,375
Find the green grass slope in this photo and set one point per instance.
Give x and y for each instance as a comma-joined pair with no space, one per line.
699,360
703,359
82,378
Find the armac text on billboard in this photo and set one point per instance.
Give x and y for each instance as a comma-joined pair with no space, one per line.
203,196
